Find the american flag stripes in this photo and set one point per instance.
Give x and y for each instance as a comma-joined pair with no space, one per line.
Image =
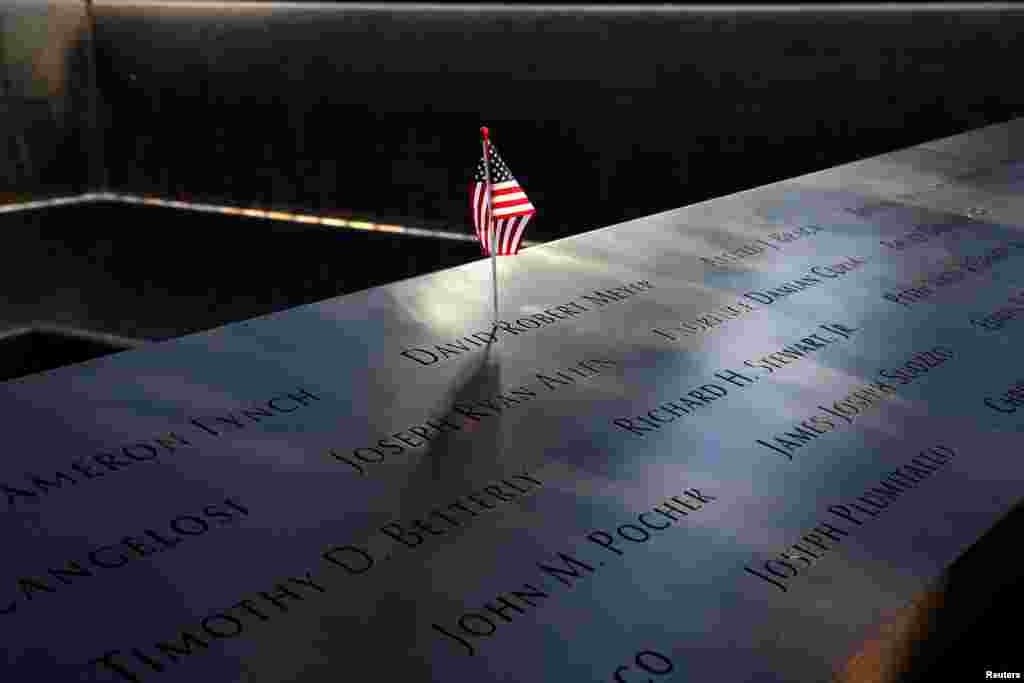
511,211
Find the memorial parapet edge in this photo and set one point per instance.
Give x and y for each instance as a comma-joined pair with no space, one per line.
724,441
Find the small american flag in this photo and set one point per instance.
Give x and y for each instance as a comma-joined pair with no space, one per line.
511,211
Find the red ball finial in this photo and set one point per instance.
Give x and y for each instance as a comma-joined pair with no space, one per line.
485,132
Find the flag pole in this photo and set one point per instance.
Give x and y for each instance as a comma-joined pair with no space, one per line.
493,236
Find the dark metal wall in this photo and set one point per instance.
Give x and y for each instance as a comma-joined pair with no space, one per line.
49,142
603,115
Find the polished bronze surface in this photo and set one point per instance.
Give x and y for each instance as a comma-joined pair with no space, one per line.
730,441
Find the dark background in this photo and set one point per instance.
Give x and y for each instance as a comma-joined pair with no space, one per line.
603,115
